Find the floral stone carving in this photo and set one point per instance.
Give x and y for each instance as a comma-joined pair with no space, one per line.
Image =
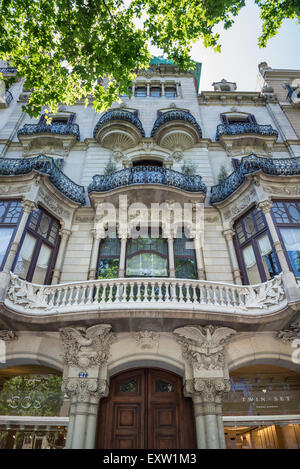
26,294
146,339
265,295
85,390
289,334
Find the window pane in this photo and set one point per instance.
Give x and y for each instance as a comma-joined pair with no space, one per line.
42,264
5,237
14,212
147,265
251,265
185,268
155,92
291,239
140,92
268,257
108,268
170,92
25,256
44,225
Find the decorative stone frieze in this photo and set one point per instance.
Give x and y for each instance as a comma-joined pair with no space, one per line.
203,347
290,333
241,204
265,295
8,335
85,389
87,347
146,339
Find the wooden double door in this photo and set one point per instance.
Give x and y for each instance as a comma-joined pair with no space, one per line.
146,409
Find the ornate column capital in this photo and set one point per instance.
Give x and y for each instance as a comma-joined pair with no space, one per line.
64,233
85,389
229,234
7,335
97,234
290,333
28,206
265,206
210,390
87,347
203,347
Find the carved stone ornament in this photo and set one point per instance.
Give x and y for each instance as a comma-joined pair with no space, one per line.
282,189
85,389
203,347
146,339
289,334
23,293
242,203
7,335
265,295
53,205
210,390
87,347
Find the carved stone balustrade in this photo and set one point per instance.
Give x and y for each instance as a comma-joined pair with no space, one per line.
44,165
147,175
146,294
251,164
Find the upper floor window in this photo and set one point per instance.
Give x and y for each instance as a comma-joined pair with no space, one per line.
256,255
109,258
184,257
147,257
140,91
38,248
170,92
236,118
147,163
10,213
67,118
155,91
286,215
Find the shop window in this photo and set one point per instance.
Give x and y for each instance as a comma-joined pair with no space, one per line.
184,257
109,258
10,214
147,257
38,249
256,254
286,215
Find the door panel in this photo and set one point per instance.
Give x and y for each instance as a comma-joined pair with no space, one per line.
146,409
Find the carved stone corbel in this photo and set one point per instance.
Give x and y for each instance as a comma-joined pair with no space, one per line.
290,333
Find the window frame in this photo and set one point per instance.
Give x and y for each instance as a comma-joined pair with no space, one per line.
40,240
253,241
10,225
194,257
99,257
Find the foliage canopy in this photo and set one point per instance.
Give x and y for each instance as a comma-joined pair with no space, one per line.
66,48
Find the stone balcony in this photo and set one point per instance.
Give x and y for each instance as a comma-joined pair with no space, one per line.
147,175
251,164
235,136
164,298
44,165
53,137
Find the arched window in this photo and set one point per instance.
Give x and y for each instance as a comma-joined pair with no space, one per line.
38,249
185,261
147,257
109,258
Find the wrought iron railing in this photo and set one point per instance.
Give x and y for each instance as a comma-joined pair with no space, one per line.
120,115
245,128
55,128
147,175
8,97
250,164
45,165
8,70
176,116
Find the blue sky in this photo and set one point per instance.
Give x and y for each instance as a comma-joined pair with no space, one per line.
241,55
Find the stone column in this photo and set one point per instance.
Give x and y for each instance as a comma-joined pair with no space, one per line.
123,237
28,207
94,254
72,413
148,90
171,256
64,234
199,258
178,90
163,89
200,422
233,259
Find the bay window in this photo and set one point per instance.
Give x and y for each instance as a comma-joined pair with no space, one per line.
286,215
38,248
10,214
256,255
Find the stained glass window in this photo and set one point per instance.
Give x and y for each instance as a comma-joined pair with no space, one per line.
10,214
128,386
147,257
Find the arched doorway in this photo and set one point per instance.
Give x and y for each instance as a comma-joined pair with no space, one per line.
146,409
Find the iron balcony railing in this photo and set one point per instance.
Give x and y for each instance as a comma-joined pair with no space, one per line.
120,115
45,165
176,116
250,164
55,128
245,128
147,175
8,97
8,70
